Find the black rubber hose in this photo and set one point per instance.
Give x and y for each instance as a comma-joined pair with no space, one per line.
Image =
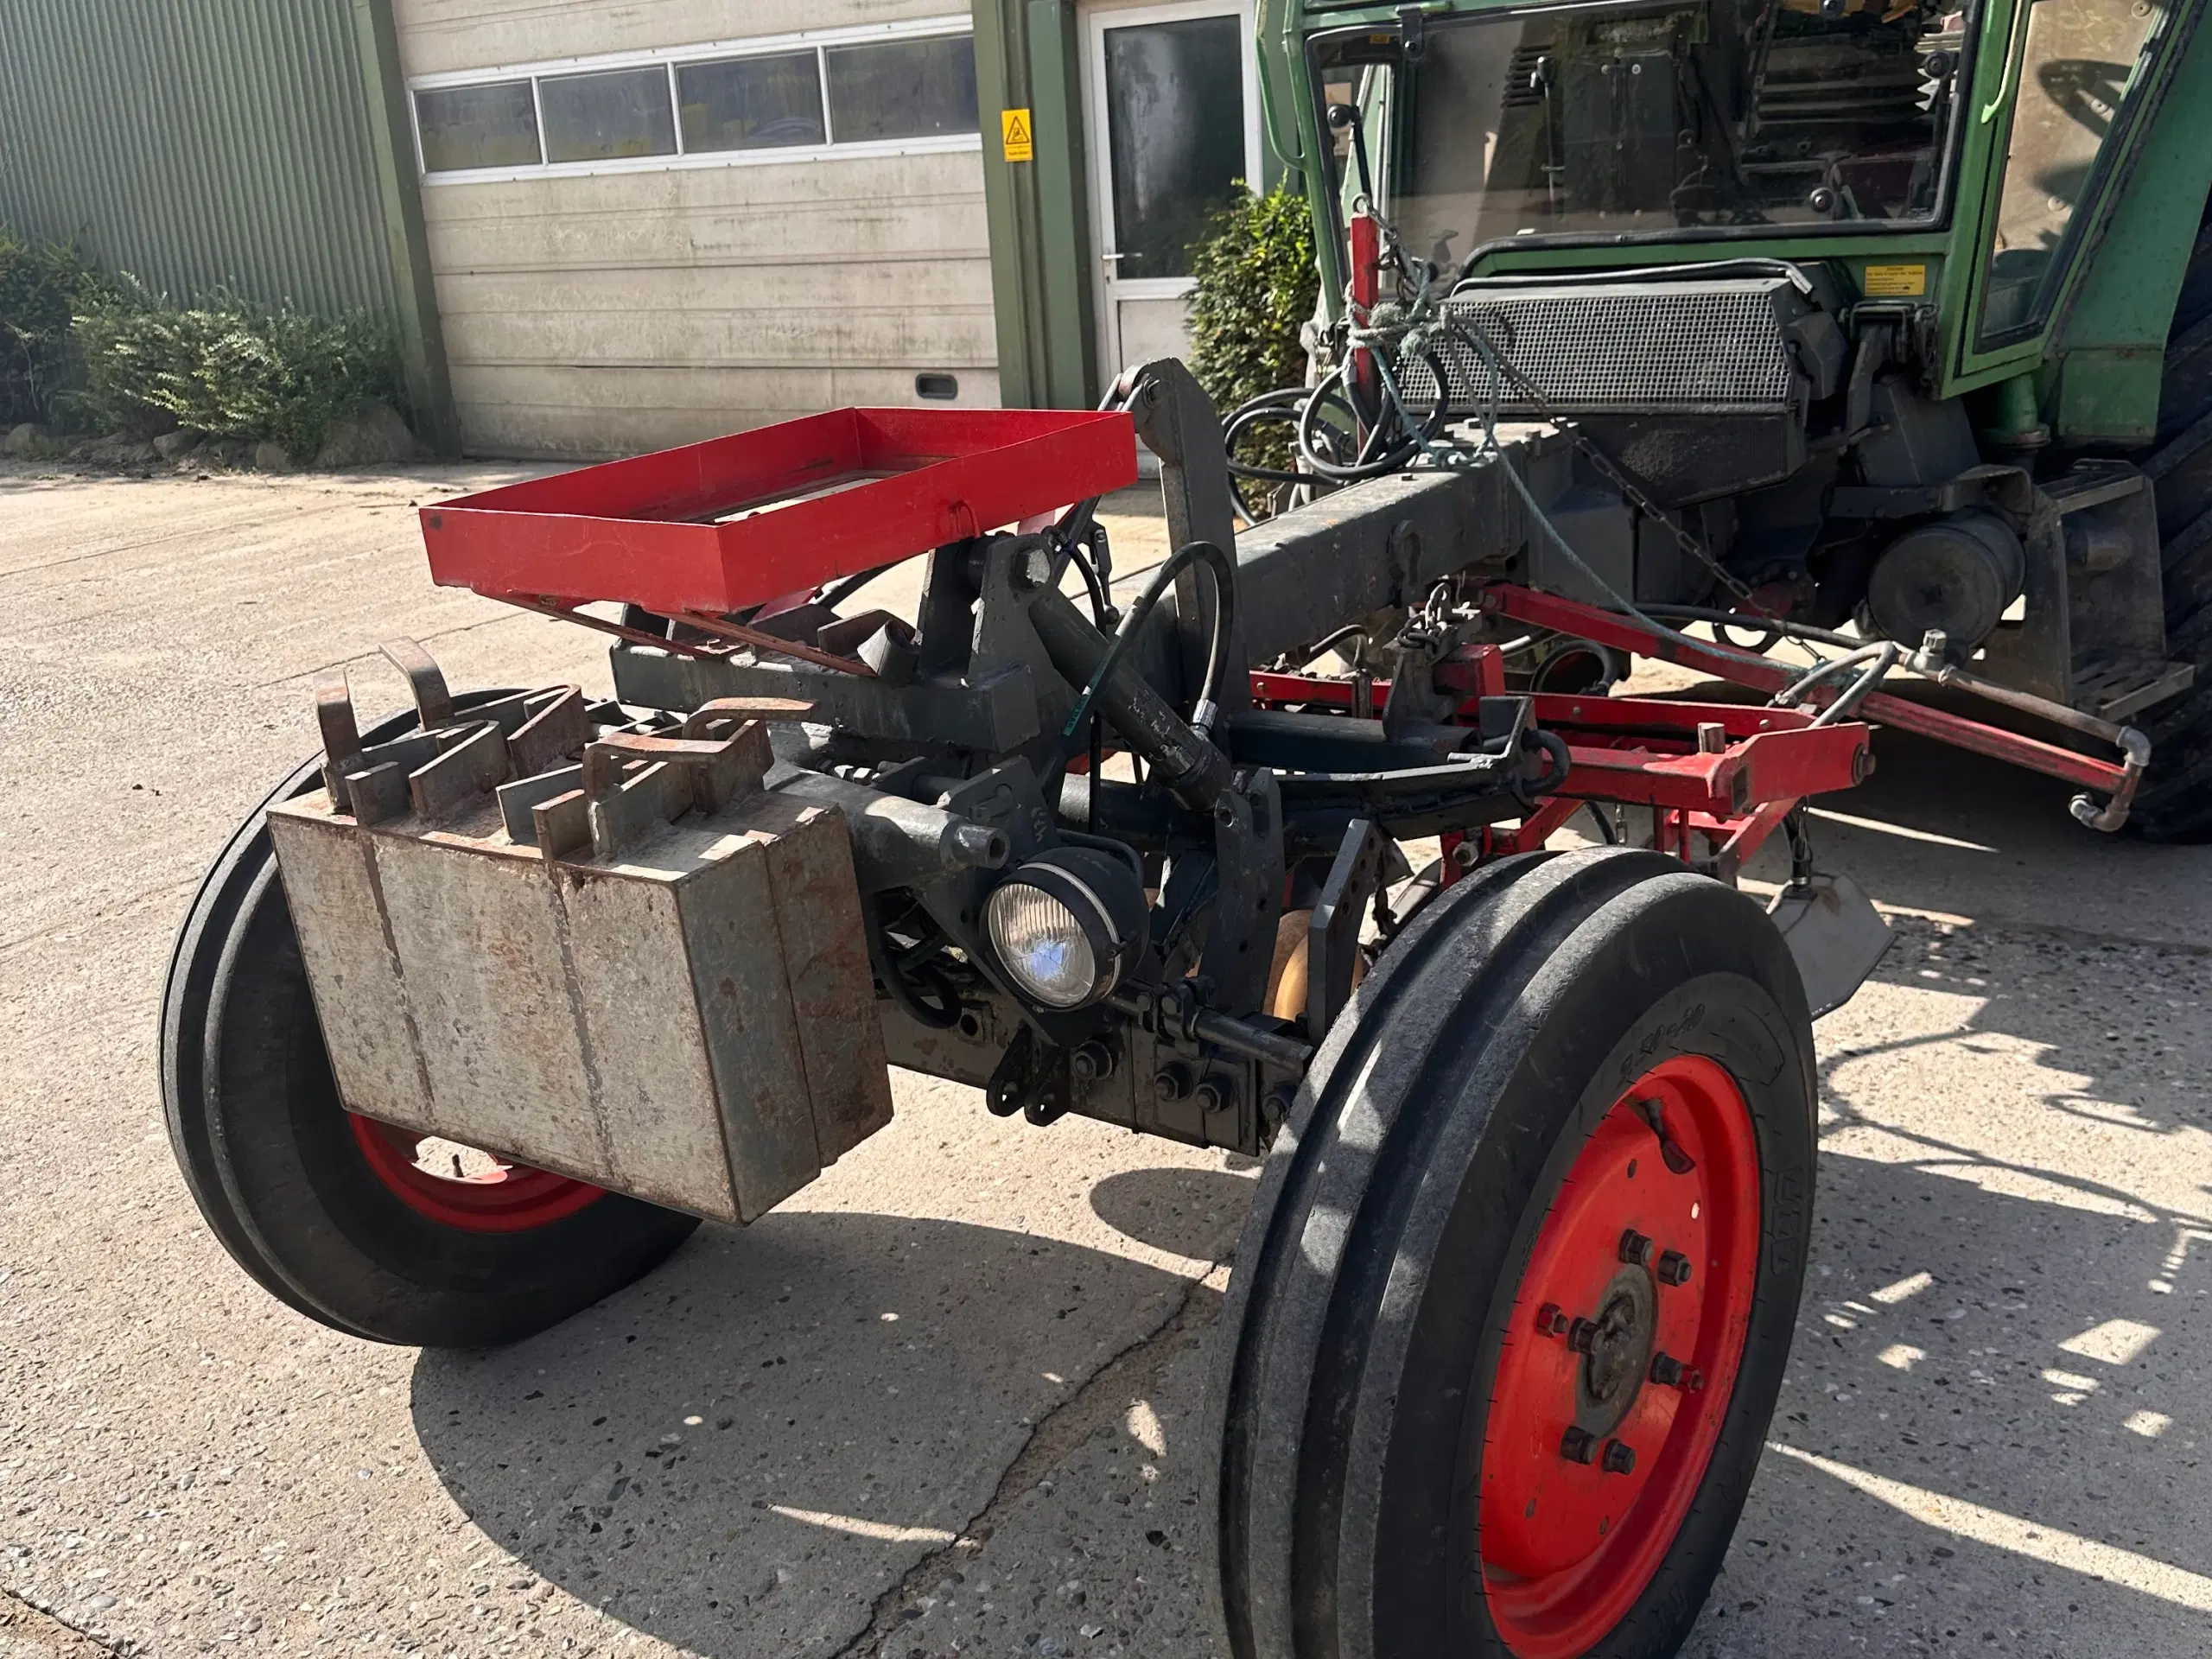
1371,466
1223,571
1102,605
1176,755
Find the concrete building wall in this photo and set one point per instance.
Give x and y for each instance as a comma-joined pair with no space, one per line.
602,312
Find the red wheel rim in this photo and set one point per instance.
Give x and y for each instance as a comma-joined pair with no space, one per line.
1566,1546
506,1198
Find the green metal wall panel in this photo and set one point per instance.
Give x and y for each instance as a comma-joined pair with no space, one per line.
238,144
197,144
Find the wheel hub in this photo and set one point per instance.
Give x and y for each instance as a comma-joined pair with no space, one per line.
1619,1353
1627,1329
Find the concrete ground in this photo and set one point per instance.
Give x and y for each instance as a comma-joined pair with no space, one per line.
946,1401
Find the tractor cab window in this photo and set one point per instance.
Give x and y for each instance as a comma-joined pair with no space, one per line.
1646,119
2082,62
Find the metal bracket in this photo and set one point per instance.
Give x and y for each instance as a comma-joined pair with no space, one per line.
1248,905
1333,937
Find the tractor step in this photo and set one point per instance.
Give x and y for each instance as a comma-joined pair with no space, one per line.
2118,685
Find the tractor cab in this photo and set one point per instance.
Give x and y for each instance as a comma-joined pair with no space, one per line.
1879,315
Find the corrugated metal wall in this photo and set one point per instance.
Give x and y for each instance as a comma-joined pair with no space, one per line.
198,144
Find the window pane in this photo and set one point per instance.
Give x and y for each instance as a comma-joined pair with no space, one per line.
604,116
751,103
477,126
1649,119
1175,134
2079,69
902,89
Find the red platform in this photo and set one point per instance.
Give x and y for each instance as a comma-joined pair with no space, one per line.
720,527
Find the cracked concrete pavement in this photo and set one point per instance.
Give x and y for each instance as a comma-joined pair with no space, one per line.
946,1400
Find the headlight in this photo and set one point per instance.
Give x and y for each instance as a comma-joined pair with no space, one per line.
1065,925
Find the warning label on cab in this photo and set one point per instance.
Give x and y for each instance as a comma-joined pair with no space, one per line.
1019,135
1895,282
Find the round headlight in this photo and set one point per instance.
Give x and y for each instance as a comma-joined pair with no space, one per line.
1066,924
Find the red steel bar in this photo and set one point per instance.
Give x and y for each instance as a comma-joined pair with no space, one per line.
1625,633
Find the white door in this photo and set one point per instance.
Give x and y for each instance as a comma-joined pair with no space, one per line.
1173,111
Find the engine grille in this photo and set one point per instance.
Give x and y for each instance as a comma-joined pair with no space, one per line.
1659,346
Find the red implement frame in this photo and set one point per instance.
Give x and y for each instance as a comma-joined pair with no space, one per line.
1626,633
1718,778
725,525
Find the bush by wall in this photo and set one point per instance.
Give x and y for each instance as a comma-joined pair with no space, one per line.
1257,285
88,352
228,368
41,286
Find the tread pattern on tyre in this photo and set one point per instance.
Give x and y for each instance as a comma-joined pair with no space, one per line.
1349,1194
2176,801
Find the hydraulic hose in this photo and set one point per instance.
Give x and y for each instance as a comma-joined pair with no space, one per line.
1207,708
1183,758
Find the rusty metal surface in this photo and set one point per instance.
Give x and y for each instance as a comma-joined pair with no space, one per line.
612,955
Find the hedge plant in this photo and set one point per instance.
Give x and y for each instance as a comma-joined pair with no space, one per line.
1257,288
229,368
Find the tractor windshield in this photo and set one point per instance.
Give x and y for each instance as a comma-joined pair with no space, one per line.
1646,119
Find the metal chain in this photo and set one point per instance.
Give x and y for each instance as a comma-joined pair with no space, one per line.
1504,366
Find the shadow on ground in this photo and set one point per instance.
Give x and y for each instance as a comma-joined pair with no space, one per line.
738,1454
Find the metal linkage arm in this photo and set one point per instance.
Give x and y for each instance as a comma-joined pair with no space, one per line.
2114,779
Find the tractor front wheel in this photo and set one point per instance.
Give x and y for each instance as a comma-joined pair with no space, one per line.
373,1231
1510,1315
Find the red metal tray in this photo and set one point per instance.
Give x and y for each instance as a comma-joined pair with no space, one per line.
735,522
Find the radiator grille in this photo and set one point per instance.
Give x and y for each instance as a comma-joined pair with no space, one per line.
1664,347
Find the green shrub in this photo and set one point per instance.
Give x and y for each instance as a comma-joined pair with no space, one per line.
1257,286
229,368
41,286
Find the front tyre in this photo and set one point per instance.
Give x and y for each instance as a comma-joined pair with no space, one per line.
1511,1313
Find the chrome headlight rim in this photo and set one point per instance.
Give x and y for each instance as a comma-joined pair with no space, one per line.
1104,904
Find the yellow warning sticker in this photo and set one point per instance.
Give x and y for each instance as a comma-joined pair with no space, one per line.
1895,282
1019,133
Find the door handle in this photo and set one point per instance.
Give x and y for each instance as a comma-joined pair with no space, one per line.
1117,258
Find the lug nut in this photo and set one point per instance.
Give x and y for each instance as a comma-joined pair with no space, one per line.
1581,1333
1579,1445
1550,1322
1620,1458
1670,1373
1636,1249
1674,1269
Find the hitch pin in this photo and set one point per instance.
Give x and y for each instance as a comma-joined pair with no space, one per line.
1654,1111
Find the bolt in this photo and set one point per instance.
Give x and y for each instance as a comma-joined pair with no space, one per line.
1170,1083
1670,1373
1213,1095
1620,1458
1636,1249
1465,855
1580,1334
1550,1322
1092,1062
1579,1445
1674,1269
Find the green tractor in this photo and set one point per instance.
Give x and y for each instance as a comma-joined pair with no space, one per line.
1874,321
